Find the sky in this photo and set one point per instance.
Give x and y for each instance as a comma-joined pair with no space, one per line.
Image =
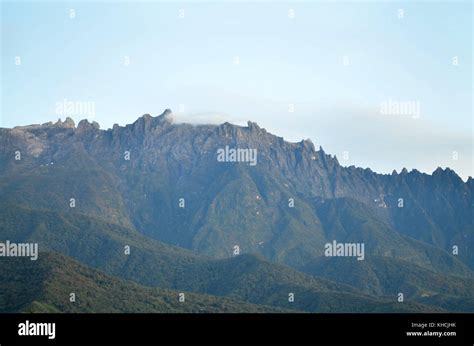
380,84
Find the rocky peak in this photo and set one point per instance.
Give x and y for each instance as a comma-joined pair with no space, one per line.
66,124
147,117
253,127
165,117
226,129
438,171
308,145
85,125
448,173
148,121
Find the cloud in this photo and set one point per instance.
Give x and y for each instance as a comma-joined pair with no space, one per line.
211,118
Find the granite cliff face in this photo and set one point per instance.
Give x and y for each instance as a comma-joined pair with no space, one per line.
164,181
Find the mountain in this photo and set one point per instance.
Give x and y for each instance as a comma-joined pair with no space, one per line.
46,287
160,188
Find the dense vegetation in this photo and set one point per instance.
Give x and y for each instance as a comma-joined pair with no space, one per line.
46,285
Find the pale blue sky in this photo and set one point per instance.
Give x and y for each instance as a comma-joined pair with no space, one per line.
190,61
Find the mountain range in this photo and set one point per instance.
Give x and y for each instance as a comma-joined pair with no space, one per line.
232,235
